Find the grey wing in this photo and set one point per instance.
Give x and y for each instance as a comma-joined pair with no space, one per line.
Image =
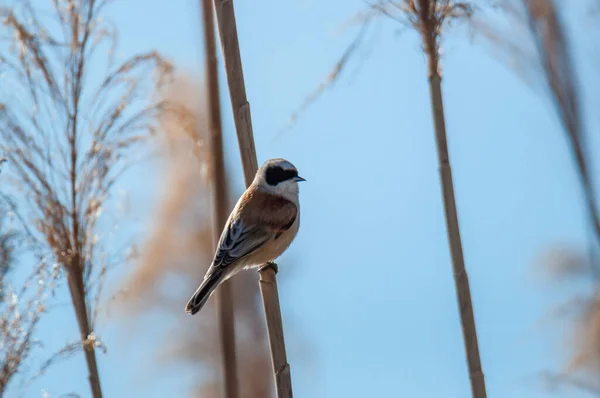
239,240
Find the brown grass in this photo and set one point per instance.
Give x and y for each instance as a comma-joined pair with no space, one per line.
67,149
21,306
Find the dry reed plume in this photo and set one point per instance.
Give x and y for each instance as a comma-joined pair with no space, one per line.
22,305
548,56
66,136
582,314
181,245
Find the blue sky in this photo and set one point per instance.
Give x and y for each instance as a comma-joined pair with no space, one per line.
372,291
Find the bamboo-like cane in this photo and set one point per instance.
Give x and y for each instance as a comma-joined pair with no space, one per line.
75,278
461,279
224,298
75,282
243,124
270,296
463,290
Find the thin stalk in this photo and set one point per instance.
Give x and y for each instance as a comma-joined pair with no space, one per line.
461,279
224,298
243,124
237,89
75,282
75,272
270,296
463,290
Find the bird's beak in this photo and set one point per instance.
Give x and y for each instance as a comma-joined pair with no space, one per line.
298,179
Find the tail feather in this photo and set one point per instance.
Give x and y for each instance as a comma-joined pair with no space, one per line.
200,297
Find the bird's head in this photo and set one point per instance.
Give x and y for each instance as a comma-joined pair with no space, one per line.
279,177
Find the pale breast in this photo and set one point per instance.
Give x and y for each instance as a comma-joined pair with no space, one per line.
275,247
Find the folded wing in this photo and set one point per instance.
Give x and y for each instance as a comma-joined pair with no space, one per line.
239,240
260,217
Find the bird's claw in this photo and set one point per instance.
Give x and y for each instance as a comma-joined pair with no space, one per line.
271,265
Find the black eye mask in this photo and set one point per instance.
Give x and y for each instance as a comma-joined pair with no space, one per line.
275,175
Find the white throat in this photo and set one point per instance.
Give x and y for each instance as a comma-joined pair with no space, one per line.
285,189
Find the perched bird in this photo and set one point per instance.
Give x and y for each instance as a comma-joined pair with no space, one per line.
262,225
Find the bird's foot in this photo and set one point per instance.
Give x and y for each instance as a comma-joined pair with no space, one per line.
271,265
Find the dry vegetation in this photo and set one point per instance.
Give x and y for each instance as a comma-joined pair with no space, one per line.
181,246
544,52
219,198
550,57
67,138
21,301
429,17
581,313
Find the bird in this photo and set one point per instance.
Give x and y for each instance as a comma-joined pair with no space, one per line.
261,226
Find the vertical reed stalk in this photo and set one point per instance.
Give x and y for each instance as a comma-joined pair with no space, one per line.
429,26
270,296
243,123
224,300
76,287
